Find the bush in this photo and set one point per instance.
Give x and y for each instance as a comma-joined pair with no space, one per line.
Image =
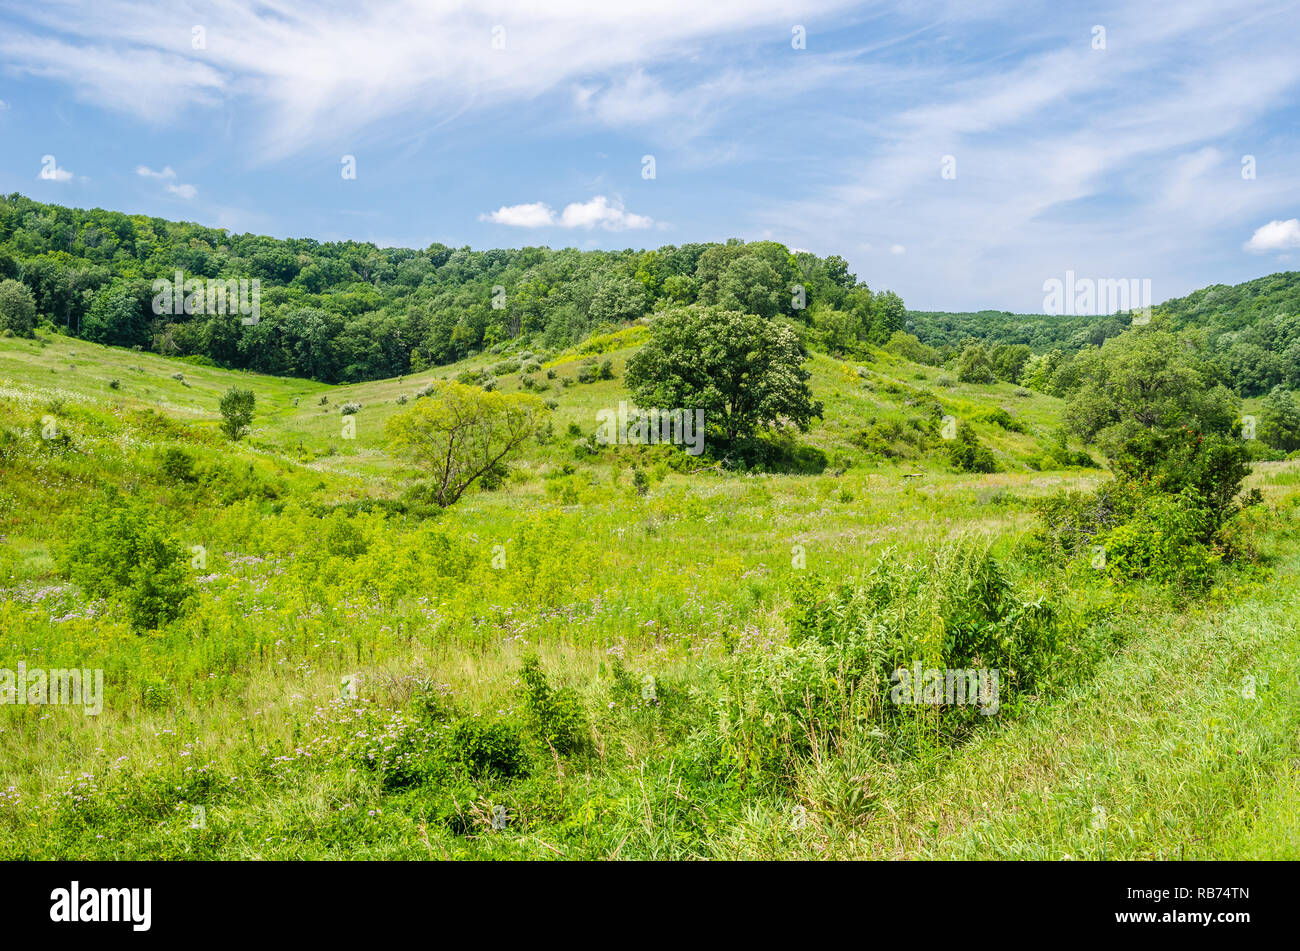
489,748
124,551
177,464
1161,543
974,365
968,454
555,716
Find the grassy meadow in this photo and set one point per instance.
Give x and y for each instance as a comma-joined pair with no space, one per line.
622,651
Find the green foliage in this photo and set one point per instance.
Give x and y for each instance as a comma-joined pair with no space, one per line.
489,748
177,464
745,372
125,551
974,365
1008,361
461,433
909,347
968,454
1162,542
1279,424
1145,383
351,311
17,308
554,716
236,412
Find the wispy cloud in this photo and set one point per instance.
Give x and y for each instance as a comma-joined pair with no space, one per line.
327,71
168,174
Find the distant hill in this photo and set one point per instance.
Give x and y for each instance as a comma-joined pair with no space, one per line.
1252,329
347,311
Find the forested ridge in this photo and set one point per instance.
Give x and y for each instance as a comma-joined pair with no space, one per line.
351,311
1251,331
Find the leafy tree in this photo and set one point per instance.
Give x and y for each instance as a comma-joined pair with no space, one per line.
461,433
974,365
909,348
1279,426
120,315
236,412
1156,407
1145,382
1009,360
619,301
17,308
1039,371
887,315
745,372
838,331
753,286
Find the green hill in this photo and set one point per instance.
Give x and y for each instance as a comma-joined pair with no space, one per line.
622,651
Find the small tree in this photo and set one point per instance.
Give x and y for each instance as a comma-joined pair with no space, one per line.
463,433
17,309
236,412
974,365
1280,425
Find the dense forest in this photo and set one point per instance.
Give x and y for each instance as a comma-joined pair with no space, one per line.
1250,331
351,311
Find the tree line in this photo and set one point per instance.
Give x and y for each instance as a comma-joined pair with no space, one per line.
348,311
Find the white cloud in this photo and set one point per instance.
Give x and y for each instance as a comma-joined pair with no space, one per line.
54,173
1275,236
3,105
184,191
532,215
897,249
145,171
599,212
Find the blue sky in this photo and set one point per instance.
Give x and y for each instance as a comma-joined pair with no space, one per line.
1117,162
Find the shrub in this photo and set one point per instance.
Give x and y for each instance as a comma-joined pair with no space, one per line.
124,551
555,716
968,454
349,409
1161,543
489,748
974,365
177,464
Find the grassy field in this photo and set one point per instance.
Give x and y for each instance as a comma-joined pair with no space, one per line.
673,712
